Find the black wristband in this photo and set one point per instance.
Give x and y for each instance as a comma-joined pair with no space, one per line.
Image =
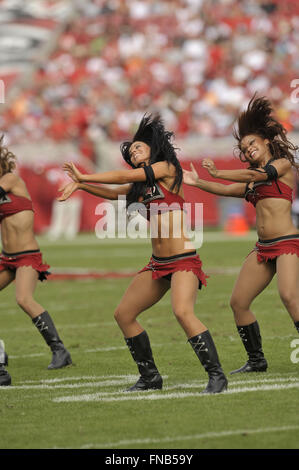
150,176
2,192
271,172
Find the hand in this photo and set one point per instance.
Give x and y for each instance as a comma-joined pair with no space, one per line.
67,191
72,172
209,165
190,177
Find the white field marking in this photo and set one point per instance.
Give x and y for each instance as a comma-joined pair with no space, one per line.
11,311
117,348
236,382
91,239
105,383
43,384
75,270
199,384
275,377
27,355
91,270
115,253
192,437
225,270
94,350
124,379
46,385
270,338
166,396
82,377
62,308
108,348
71,326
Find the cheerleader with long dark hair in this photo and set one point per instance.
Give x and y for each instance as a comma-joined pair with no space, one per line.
155,181
267,183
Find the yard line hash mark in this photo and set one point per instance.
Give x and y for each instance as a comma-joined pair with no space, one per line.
168,396
207,435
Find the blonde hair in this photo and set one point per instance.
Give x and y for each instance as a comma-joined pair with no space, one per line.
7,158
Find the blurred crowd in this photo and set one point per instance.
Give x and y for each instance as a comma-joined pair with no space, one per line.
198,62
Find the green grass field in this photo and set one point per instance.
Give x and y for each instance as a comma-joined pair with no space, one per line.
84,406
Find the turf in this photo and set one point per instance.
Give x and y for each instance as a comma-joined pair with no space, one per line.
83,406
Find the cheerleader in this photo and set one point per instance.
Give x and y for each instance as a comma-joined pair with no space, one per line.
21,259
267,183
155,181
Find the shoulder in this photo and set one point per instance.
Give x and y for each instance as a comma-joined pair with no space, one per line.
281,163
282,170
9,180
163,169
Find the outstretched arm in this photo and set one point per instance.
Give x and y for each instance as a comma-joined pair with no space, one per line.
99,191
281,165
233,190
160,169
241,176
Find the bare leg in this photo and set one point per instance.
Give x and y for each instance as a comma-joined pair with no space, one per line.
253,279
288,283
6,277
142,293
26,279
184,288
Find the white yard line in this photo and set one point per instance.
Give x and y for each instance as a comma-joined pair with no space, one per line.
168,396
91,239
105,383
81,377
193,437
115,380
67,327
195,383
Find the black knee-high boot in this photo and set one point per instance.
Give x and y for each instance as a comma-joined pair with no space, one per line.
141,352
251,338
61,357
296,323
205,349
5,378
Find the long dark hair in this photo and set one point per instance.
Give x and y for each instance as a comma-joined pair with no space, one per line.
258,119
151,130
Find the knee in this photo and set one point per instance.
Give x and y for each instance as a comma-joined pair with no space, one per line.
24,301
236,304
121,316
117,315
288,297
182,312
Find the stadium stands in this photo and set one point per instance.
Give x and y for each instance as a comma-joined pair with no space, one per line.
93,71
199,62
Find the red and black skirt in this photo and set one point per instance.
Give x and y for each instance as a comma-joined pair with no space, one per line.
165,267
270,249
32,258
